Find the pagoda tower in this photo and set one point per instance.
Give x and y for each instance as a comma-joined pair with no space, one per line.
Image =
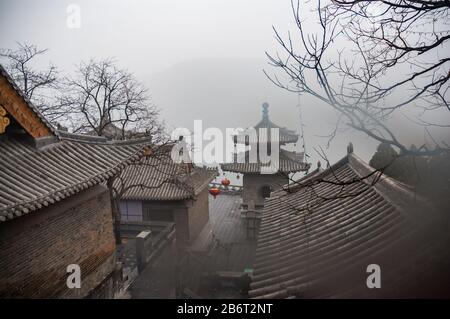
260,177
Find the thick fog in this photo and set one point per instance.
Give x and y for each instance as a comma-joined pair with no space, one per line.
199,60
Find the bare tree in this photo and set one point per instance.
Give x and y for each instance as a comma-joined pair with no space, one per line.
368,60
37,85
104,100
360,79
403,32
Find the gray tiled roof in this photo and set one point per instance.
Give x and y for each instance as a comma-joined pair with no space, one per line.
315,239
159,178
32,178
289,162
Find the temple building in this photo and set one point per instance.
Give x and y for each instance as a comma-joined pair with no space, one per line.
157,189
55,206
260,176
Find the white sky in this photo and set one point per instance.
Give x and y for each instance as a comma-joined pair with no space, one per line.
200,59
150,34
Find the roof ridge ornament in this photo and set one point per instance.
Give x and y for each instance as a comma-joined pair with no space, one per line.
4,121
350,148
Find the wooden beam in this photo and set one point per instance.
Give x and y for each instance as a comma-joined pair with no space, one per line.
17,108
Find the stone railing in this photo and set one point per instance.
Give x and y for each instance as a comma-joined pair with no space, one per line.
149,246
143,242
130,229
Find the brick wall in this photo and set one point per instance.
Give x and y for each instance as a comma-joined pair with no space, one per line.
181,220
189,216
253,183
198,214
35,249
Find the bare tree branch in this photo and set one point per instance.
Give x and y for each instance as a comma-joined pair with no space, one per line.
39,86
382,38
102,99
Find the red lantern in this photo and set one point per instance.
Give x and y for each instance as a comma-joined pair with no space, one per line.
214,191
225,182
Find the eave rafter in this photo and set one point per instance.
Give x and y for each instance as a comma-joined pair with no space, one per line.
16,107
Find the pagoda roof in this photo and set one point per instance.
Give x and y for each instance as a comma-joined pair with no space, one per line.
289,162
285,135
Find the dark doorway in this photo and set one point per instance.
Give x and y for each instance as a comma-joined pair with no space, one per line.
265,191
158,214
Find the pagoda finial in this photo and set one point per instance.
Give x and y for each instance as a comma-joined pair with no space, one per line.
350,148
265,111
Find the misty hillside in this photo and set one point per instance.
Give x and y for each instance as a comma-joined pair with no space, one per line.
229,93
